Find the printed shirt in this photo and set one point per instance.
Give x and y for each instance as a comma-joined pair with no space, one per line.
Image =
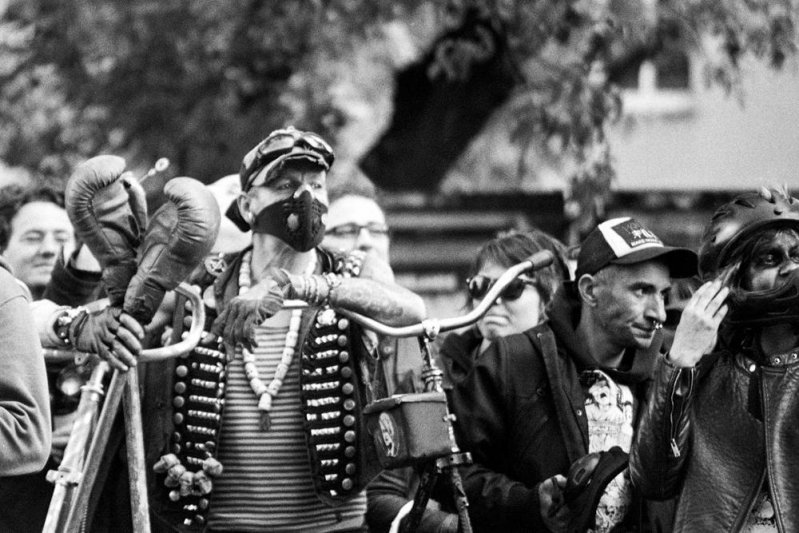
610,409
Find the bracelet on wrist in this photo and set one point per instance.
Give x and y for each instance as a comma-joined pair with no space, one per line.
333,282
64,322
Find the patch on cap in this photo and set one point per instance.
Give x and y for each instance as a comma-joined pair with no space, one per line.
626,235
624,241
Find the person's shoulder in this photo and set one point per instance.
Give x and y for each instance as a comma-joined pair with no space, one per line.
530,340
11,287
516,348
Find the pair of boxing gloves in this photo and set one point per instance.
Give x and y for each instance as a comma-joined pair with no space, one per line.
141,260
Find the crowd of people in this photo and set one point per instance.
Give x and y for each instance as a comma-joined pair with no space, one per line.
579,410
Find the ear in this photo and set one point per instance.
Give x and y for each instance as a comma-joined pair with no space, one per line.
244,207
587,289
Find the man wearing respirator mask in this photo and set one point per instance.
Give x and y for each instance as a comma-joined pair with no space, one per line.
267,409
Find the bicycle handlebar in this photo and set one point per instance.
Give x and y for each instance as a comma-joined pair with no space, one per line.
432,326
195,331
155,354
429,327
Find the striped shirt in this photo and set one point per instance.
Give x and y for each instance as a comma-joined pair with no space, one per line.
266,484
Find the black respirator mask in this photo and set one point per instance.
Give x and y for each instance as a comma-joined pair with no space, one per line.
299,220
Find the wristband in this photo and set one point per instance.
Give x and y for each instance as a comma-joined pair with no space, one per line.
333,281
63,323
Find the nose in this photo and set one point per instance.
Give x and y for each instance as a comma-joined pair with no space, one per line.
49,245
656,309
364,241
302,188
788,266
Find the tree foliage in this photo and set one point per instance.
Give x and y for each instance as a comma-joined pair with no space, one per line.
200,81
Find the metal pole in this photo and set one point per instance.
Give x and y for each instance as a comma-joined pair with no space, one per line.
95,455
68,475
134,444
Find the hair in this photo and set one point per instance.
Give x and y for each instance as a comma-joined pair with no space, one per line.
512,247
352,183
14,196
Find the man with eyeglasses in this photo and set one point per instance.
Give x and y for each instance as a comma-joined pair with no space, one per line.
263,430
355,221
566,392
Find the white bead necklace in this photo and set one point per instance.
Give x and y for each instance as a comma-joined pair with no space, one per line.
266,393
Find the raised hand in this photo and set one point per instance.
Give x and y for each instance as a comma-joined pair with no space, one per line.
699,325
110,333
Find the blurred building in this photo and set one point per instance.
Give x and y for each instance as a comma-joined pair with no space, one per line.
681,149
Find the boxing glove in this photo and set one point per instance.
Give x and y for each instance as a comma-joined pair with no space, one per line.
179,236
109,214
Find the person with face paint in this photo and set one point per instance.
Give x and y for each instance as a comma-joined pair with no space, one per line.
266,432
567,390
719,430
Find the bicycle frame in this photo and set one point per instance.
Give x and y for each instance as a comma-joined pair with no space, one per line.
78,471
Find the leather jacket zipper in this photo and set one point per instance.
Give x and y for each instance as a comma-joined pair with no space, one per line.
675,449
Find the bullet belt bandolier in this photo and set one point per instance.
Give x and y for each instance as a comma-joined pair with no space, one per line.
335,385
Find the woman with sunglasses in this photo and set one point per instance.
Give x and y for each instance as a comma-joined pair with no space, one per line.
521,305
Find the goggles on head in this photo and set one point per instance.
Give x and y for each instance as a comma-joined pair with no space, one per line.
280,144
478,287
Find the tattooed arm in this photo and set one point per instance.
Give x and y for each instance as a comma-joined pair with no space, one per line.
373,294
390,304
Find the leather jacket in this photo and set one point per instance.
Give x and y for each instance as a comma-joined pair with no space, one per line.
714,434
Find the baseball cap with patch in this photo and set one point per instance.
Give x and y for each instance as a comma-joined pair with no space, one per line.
624,241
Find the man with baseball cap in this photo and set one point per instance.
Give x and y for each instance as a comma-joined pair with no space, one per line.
266,432
567,392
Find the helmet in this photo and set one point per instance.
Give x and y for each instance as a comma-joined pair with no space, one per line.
737,220
730,229
761,308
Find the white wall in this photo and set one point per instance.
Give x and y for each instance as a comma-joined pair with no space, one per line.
719,142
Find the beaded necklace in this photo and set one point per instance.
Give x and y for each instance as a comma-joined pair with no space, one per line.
266,393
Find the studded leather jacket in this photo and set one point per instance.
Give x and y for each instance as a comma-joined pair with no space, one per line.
716,434
186,402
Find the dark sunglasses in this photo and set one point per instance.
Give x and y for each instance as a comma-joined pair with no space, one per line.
282,142
353,230
479,286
